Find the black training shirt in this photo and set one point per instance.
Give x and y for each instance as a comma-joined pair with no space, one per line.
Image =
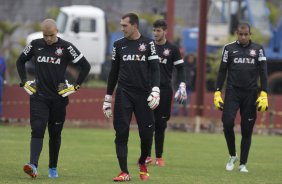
135,65
244,64
50,64
169,56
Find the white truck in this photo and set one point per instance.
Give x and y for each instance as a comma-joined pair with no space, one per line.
85,27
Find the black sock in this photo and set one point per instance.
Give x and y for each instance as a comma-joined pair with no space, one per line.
36,145
123,164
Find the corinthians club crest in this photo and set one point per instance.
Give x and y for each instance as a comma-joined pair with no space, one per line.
253,53
166,52
142,47
59,51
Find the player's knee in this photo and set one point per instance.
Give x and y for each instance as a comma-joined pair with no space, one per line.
146,135
228,127
161,124
37,128
55,129
246,134
37,134
246,131
160,129
55,135
121,137
228,122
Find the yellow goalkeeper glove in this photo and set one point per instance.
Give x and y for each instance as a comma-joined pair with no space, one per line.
262,101
65,89
218,102
29,86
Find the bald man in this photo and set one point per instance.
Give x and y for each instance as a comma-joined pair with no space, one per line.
49,91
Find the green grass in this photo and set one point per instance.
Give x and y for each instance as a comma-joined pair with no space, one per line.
88,156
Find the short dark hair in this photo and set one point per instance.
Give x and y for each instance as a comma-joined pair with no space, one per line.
244,25
133,18
160,23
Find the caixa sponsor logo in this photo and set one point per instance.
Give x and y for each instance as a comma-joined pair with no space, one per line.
52,60
244,60
134,57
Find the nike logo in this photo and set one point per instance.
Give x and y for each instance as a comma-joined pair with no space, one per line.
40,48
58,123
124,47
150,126
235,51
163,117
250,119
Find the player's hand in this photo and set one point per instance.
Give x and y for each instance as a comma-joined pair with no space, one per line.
29,86
65,89
154,98
218,102
181,94
107,106
262,101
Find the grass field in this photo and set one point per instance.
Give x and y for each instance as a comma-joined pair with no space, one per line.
88,156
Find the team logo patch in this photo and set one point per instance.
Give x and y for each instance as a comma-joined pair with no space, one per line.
253,52
142,47
166,52
59,51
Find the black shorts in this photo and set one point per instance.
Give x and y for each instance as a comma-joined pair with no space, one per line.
45,110
236,99
127,103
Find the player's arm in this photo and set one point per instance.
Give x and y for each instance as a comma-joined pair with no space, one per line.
78,59
155,69
27,54
181,94
21,67
218,102
222,70
262,101
181,72
113,74
178,62
153,59
84,70
65,89
112,81
262,70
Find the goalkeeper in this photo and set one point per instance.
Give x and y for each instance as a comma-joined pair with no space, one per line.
170,58
134,58
245,62
49,91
